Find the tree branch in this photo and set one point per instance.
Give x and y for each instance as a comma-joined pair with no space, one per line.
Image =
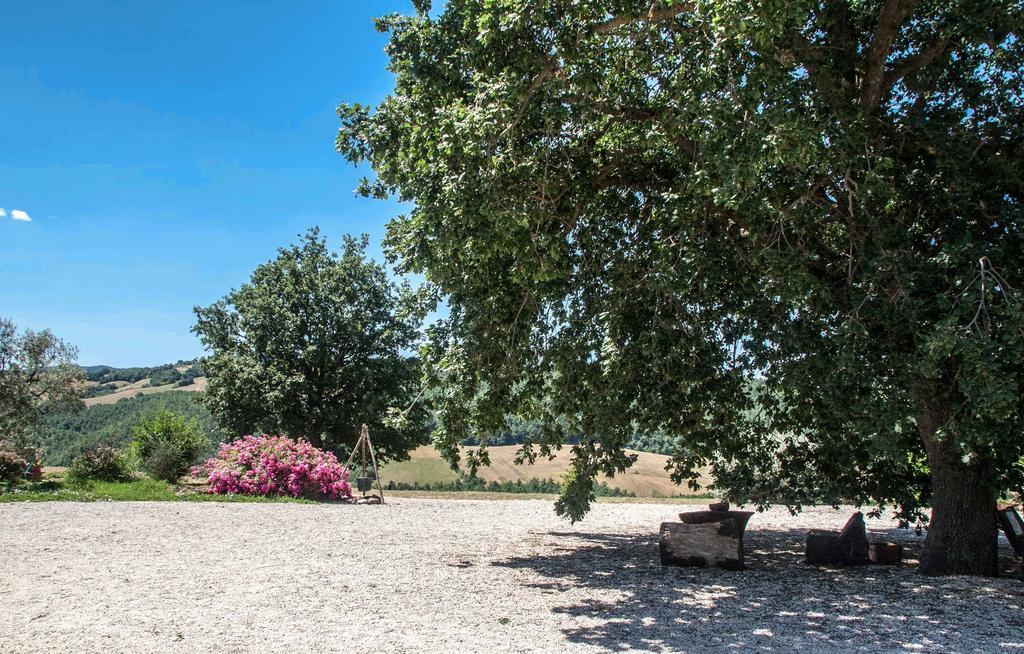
889,22
815,61
842,40
924,58
614,111
538,79
655,14
625,112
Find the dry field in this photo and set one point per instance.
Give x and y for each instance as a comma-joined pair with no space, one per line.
131,390
647,477
456,576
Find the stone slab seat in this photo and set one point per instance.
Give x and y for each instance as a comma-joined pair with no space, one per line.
703,517
702,545
846,547
704,538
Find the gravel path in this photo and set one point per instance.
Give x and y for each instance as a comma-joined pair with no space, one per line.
456,575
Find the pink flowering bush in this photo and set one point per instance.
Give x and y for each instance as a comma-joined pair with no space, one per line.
275,465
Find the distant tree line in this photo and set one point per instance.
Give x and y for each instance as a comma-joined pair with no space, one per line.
534,485
97,391
167,373
107,377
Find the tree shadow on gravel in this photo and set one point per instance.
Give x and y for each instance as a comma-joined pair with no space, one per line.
778,603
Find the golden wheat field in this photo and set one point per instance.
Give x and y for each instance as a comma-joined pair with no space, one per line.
647,477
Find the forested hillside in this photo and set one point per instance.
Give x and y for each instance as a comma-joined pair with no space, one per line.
106,380
117,397
66,434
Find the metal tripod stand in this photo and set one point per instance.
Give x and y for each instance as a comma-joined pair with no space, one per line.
364,482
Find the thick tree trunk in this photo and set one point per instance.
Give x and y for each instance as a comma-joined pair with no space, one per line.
962,534
962,537
313,438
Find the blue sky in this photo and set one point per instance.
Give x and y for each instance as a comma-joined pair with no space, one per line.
164,149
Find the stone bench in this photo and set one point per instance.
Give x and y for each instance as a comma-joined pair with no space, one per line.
705,538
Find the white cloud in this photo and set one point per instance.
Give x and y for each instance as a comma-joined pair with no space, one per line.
3,214
18,214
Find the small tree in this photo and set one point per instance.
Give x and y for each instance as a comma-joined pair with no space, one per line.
166,444
313,346
37,374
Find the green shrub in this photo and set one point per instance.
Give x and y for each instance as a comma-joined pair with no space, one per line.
166,444
99,463
12,467
165,461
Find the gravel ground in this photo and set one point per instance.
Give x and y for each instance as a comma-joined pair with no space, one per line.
457,575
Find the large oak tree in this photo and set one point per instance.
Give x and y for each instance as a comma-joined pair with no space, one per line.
786,233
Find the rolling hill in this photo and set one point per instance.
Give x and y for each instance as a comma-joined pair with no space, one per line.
647,477
116,398
142,387
107,385
64,434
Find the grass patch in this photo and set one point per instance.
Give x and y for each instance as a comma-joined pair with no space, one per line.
422,468
55,488
138,490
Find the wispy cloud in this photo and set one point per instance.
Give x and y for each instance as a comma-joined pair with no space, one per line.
18,214
3,214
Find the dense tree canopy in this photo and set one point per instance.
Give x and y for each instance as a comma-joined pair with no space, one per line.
37,374
313,346
636,208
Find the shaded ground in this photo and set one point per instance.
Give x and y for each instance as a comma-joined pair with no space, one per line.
456,575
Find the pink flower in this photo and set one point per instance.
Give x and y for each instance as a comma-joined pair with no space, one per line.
275,465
